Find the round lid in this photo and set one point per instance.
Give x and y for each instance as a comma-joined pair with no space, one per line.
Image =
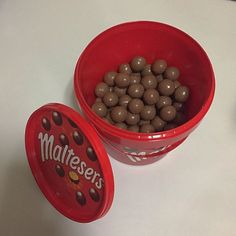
69,163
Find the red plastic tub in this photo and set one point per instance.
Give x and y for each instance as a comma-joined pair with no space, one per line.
152,40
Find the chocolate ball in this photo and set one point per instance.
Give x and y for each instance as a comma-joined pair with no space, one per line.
110,89
125,68
100,109
108,118
135,106
163,101
122,80
171,73
124,100
168,113
138,63
118,114
159,66
148,112
121,125
147,128
135,78
98,100
132,119
159,78
177,84
133,128
110,99
109,78
158,123
166,87
143,122
136,90
178,106
149,81
147,70
101,89
181,94
170,126
151,96
119,91
180,118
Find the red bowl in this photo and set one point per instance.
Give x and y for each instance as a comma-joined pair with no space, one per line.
152,40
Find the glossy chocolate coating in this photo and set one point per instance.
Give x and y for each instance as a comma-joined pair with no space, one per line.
133,128
138,63
100,109
180,118
159,78
125,68
136,90
46,123
56,117
93,193
147,128
80,198
110,99
109,78
170,126
147,70
171,73
121,125
132,119
59,170
148,112
159,66
166,87
63,140
168,113
98,100
151,96
124,100
91,154
163,101
135,105
143,122
158,123
149,81
176,83
178,106
181,94
122,80
135,78
78,138
118,114
101,89
119,91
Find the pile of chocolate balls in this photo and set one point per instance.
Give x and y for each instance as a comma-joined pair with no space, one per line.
142,97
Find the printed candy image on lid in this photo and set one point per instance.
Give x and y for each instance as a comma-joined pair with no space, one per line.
69,163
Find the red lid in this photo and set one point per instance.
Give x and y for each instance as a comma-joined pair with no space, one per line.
69,163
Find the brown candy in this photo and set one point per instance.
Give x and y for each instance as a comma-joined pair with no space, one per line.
149,81
110,99
166,87
118,114
119,91
177,84
147,70
101,89
143,122
124,100
121,125
138,63
133,128
151,96
122,80
147,128
179,118
100,109
74,178
135,106
132,119
136,90
135,78
159,66
125,68
178,106
148,112
109,78
171,73
181,94
158,123
163,101
98,100
170,126
168,113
